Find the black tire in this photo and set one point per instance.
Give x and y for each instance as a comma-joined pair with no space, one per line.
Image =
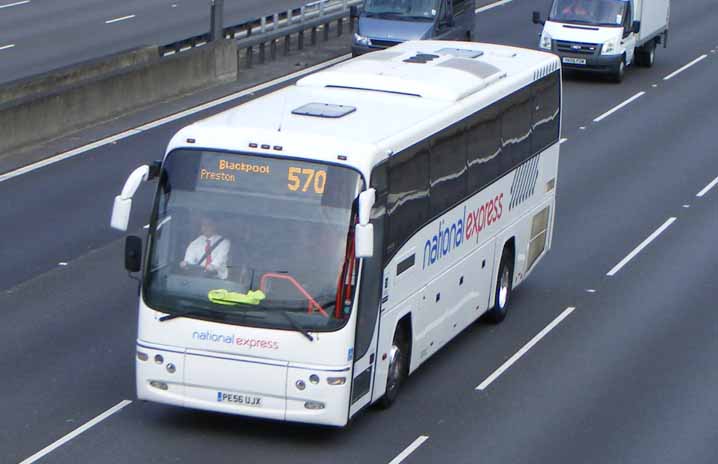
398,368
646,55
504,284
619,72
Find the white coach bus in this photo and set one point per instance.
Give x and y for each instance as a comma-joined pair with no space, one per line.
310,249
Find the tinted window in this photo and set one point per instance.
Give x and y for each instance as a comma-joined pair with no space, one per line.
448,169
546,114
516,126
483,148
408,199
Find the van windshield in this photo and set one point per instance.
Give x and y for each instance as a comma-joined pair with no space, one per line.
402,9
595,12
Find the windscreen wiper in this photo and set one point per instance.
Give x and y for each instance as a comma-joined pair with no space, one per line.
192,312
296,325
221,315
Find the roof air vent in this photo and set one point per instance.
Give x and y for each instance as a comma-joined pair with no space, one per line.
460,52
324,110
421,58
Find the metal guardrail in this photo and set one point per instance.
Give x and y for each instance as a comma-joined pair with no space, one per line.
269,29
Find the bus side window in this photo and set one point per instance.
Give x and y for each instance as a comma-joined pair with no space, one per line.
546,114
483,148
516,127
448,170
408,199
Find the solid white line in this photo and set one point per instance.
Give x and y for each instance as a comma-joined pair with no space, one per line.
483,385
707,188
5,47
618,107
76,432
110,21
168,119
492,5
680,70
640,247
409,449
24,2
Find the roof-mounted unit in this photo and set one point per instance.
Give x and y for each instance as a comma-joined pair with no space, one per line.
324,110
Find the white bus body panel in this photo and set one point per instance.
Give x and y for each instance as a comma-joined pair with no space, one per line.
446,296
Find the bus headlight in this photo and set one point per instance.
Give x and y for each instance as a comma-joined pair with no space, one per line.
361,40
610,47
336,380
142,356
545,41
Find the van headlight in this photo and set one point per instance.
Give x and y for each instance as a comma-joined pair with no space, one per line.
545,41
361,40
610,47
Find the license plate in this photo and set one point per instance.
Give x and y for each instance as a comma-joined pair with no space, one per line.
570,60
234,398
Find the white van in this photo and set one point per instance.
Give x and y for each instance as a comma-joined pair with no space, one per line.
605,36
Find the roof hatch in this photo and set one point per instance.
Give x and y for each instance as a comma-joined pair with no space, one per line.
324,110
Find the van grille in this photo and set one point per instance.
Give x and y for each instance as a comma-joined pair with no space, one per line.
577,47
378,43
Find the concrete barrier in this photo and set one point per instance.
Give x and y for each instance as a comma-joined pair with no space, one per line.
39,110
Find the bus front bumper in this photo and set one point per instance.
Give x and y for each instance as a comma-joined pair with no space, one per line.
258,388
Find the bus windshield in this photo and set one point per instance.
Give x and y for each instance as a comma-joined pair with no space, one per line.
594,12
252,240
402,9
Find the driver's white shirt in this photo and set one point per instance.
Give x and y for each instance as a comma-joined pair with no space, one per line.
195,252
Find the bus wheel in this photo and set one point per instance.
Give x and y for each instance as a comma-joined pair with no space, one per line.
397,369
504,282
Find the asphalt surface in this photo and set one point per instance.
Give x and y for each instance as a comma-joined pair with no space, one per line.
628,377
43,35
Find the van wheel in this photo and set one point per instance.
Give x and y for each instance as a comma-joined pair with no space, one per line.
504,283
646,56
619,72
398,369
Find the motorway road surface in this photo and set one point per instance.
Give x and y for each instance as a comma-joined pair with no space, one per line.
40,35
627,376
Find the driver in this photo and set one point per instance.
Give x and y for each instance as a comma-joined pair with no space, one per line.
575,8
209,251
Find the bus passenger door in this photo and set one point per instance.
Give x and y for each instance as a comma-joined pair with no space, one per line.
364,370
370,294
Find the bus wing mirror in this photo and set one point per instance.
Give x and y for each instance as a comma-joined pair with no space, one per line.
121,213
537,18
364,241
366,203
123,202
133,253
